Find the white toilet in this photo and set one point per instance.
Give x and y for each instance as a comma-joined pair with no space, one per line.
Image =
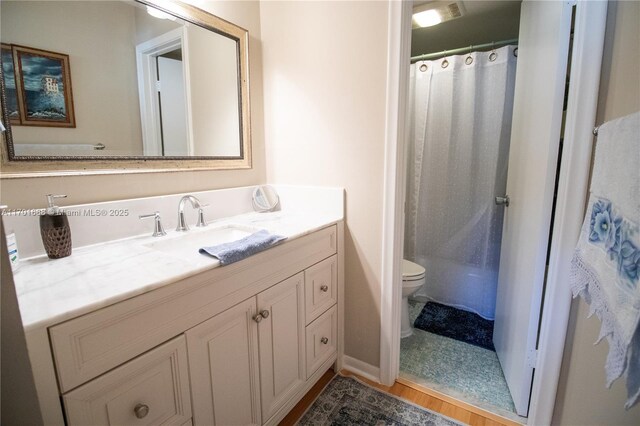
412,280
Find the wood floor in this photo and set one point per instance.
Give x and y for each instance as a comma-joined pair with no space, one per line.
449,409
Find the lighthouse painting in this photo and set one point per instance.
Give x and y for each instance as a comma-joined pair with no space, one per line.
44,92
9,79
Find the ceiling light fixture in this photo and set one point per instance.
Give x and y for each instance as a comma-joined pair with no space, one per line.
427,18
430,13
159,14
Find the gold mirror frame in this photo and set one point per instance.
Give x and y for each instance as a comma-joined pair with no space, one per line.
29,166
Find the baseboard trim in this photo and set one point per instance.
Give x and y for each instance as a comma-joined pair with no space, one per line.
361,368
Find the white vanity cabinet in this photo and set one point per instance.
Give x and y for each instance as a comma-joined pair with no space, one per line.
234,345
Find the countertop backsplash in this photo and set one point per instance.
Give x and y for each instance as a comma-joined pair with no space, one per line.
113,220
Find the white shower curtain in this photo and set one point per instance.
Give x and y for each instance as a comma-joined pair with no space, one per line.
457,164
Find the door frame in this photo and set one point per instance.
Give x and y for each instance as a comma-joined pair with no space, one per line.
150,120
586,61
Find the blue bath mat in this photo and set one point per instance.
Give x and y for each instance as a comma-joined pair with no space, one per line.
456,324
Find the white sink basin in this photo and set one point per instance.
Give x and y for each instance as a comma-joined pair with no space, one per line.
186,244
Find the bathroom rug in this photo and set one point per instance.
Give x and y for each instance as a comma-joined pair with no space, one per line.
457,324
347,401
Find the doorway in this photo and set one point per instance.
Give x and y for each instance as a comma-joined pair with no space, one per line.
164,92
461,104
544,71
171,104
548,72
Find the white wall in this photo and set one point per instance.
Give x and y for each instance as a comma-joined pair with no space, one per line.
102,62
29,192
214,93
582,398
324,75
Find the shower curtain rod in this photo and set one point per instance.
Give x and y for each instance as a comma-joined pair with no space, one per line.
444,53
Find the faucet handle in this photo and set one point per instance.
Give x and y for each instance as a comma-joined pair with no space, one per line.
201,222
158,230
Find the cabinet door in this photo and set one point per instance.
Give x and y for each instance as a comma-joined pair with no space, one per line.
281,333
223,366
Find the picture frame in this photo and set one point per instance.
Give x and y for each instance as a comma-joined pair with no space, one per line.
43,85
9,79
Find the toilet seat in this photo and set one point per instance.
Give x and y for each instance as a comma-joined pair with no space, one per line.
411,271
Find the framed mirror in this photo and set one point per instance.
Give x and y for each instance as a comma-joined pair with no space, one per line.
121,86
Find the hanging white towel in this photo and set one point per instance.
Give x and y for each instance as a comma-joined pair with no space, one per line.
605,269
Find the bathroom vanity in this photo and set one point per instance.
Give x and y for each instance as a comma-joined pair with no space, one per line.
137,329
126,332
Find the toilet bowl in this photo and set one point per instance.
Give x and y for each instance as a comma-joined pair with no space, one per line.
412,280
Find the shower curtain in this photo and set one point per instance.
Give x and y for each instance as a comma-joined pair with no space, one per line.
460,128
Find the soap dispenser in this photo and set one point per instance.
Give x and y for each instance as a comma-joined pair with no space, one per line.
55,230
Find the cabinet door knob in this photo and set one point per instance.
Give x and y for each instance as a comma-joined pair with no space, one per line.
141,410
264,314
324,288
257,318
324,340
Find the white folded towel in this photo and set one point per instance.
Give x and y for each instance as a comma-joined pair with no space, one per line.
605,269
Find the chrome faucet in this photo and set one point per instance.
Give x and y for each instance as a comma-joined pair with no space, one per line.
195,203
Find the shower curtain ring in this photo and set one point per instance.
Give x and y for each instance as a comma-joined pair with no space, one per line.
444,63
493,55
469,59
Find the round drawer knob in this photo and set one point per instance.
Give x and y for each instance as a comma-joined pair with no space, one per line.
264,314
141,410
324,340
258,318
324,288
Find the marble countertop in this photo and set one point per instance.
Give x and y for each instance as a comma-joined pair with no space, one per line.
52,291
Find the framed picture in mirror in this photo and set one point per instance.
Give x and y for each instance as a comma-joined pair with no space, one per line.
43,86
9,78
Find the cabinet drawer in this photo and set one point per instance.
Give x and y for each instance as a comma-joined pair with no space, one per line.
152,389
320,283
321,338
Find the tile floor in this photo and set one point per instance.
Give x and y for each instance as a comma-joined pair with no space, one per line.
458,369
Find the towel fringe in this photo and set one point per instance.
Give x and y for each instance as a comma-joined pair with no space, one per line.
585,284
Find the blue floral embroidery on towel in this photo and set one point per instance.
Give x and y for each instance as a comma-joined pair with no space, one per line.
604,227
630,261
614,234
